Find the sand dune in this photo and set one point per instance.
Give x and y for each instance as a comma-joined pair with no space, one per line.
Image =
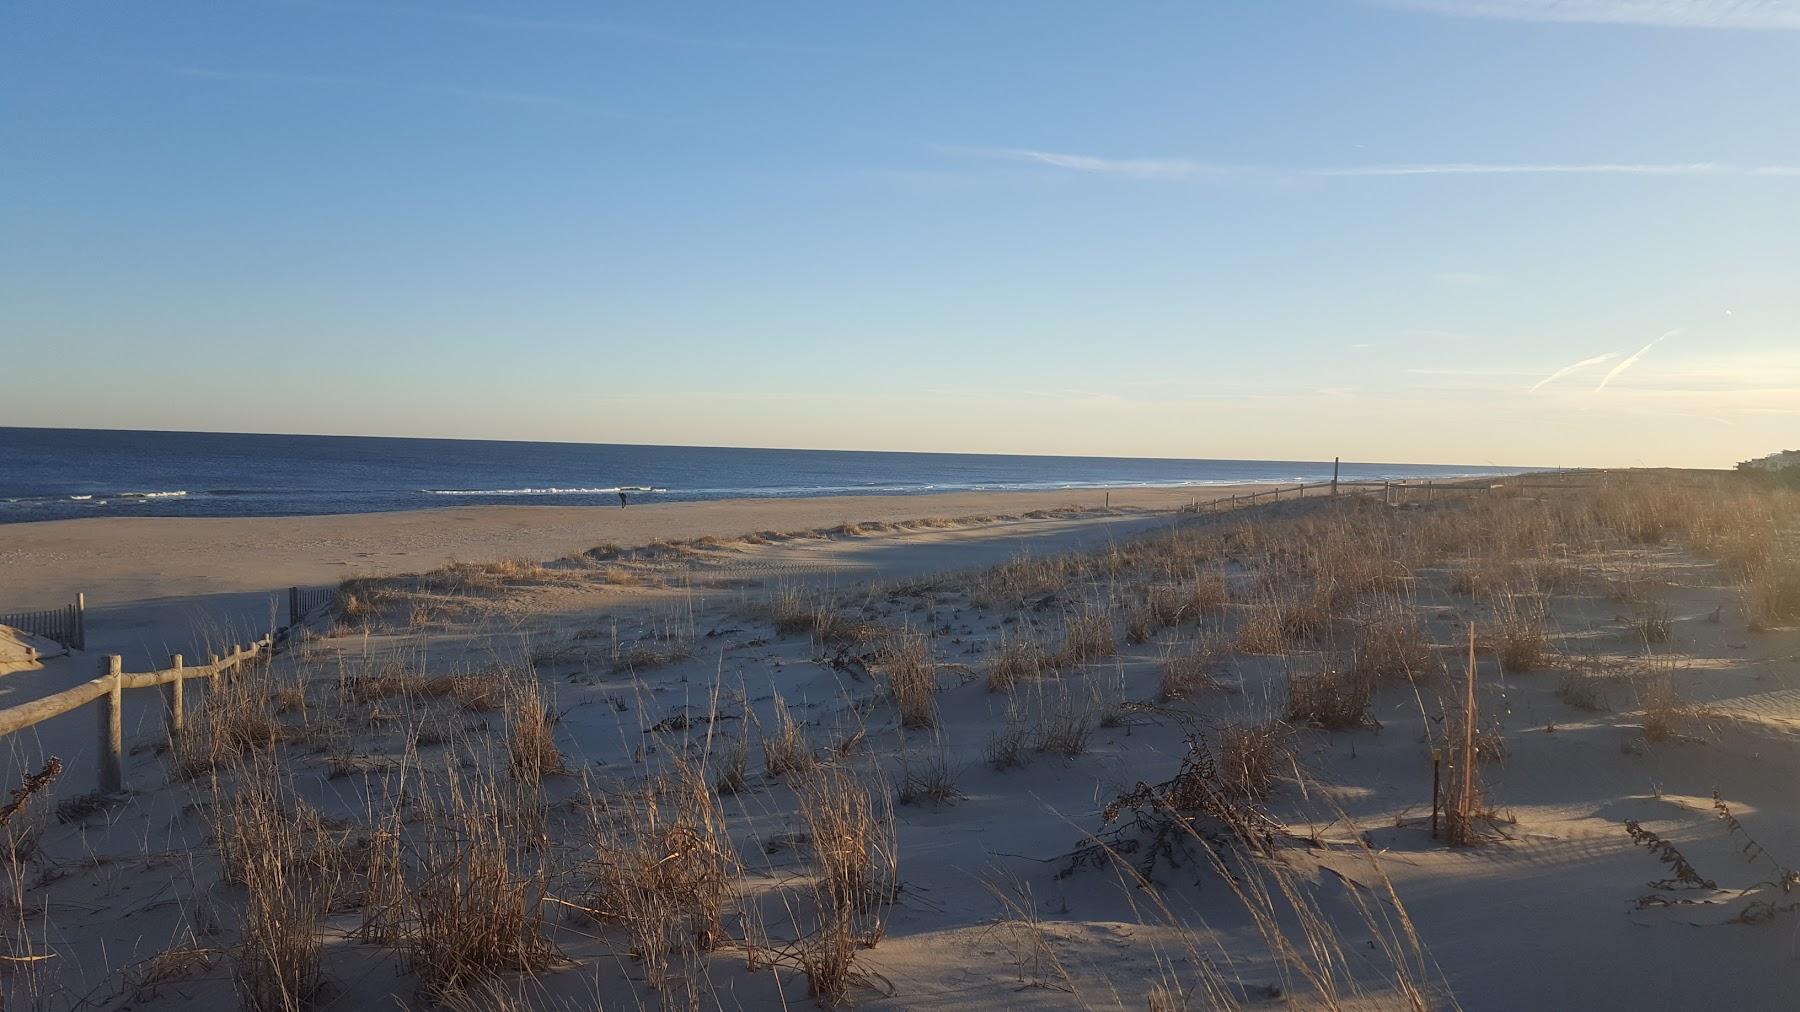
662,733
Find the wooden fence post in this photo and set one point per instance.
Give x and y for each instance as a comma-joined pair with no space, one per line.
173,698
81,621
1334,474
293,606
111,750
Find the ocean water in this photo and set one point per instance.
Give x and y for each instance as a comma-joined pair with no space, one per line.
50,474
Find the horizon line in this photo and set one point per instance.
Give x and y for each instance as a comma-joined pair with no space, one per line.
777,449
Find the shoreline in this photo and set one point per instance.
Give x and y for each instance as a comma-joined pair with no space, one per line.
121,560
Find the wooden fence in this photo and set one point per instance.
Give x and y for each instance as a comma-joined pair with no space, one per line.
109,688
1391,492
303,601
66,625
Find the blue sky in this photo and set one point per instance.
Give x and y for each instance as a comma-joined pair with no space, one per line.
1380,229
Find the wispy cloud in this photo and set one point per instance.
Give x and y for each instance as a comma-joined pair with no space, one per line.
1136,168
1530,168
1741,14
1193,169
1614,372
1571,369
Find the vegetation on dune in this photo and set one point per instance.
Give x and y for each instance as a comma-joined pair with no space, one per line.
501,830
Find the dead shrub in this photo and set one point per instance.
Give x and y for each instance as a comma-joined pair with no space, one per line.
357,602
1251,758
1331,699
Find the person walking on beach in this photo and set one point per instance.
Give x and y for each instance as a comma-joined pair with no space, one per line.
621,500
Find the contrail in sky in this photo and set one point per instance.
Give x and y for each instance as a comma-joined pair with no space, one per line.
1628,363
1567,369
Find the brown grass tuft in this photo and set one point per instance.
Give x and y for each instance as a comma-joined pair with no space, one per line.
477,910
664,867
1190,669
272,846
1087,636
1772,594
530,732
786,750
911,673
856,866
1390,643
1520,633
1332,699
1018,657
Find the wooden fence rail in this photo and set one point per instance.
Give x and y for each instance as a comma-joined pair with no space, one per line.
66,625
1386,489
109,688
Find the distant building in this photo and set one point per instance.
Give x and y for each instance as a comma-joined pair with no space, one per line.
1787,462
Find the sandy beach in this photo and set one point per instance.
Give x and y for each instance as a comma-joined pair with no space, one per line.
127,560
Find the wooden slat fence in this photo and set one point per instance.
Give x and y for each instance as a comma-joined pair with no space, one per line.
304,601
1391,492
109,688
66,625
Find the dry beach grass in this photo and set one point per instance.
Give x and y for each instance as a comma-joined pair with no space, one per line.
1187,769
